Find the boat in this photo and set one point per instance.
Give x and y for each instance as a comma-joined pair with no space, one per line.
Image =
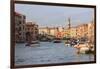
33,43
67,44
84,48
57,41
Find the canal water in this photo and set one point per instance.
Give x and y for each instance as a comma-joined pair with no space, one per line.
48,52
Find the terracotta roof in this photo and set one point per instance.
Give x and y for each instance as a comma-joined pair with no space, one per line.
18,14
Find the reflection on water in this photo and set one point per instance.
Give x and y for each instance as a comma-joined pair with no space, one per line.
48,52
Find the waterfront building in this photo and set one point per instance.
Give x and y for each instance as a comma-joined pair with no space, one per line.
44,30
32,29
20,20
47,31
52,31
82,31
91,32
70,33
73,32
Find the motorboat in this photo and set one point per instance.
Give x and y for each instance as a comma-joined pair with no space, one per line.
84,48
57,40
33,43
67,44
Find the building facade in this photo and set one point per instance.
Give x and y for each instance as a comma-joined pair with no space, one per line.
44,30
32,28
20,20
82,31
47,31
91,32
51,31
73,32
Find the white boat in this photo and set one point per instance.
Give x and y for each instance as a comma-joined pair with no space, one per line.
84,48
33,43
67,45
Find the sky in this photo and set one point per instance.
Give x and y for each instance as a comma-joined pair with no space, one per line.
54,16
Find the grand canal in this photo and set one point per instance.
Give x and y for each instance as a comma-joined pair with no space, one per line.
48,52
